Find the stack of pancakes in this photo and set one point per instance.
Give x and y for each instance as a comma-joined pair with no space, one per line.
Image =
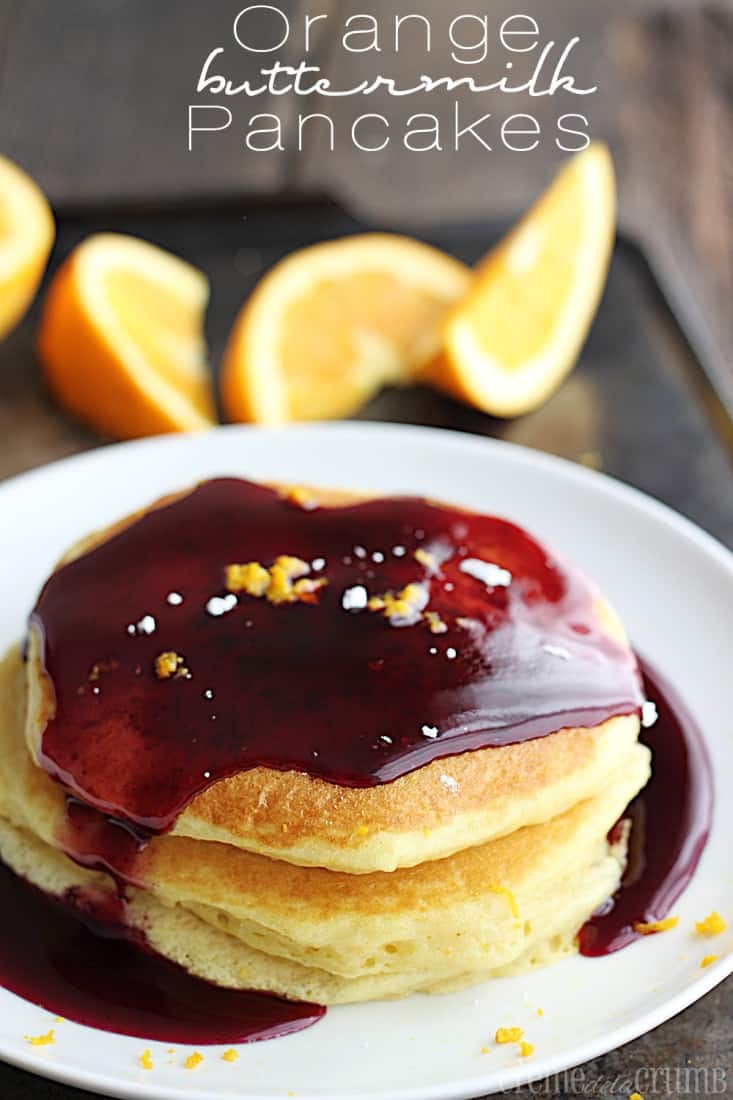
471,866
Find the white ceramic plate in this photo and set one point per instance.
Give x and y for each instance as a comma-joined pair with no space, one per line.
673,586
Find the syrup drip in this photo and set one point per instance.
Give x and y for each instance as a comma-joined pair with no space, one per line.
343,695
670,822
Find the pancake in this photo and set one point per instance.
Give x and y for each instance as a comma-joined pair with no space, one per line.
464,799
428,814
242,920
209,952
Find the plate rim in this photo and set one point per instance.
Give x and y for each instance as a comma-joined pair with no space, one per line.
524,454
66,1072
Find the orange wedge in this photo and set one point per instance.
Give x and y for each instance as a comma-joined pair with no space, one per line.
122,342
519,331
27,234
332,323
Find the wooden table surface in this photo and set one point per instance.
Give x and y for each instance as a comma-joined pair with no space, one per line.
92,101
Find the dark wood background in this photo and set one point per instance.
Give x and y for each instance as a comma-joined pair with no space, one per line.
93,102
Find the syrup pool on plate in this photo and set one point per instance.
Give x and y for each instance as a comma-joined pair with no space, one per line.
77,960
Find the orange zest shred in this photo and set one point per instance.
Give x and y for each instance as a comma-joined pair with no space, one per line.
286,580
251,577
650,928
282,574
169,665
302,497
508,1034
505,892
424,557
46,1040
713,925
401,608
435,623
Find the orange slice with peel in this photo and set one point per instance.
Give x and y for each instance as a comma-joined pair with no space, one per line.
519,331
27,234
331,324
121,338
